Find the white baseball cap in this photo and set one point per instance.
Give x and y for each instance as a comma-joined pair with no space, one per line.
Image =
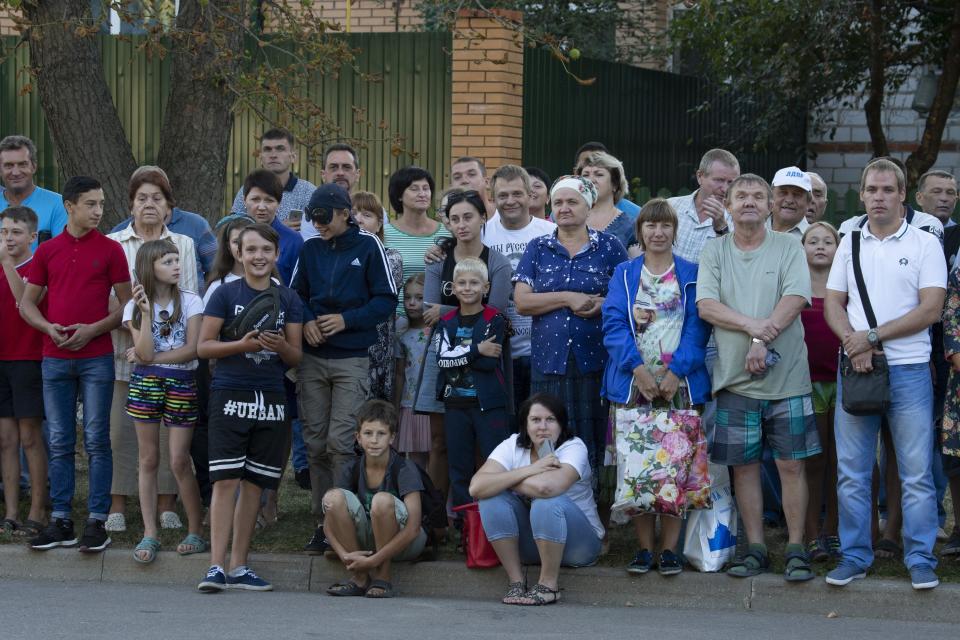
793,176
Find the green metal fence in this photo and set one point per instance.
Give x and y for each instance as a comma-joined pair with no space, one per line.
413,99
655,122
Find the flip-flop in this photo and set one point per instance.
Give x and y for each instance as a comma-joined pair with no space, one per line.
346,589
195,543
386,589
151,546
887,549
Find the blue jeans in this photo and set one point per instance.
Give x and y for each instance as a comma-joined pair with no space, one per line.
91,379
555,519
910,418
299,449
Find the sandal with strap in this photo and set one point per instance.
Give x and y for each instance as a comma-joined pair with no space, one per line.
384,587
514,590
541,595
753,563
797,567
9,525
149,545
191,544
29,529
347,589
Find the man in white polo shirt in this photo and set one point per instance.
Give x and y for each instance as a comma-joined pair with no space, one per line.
791,198
906,278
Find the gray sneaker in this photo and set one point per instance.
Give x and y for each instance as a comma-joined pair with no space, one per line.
952,546
922,576
844,574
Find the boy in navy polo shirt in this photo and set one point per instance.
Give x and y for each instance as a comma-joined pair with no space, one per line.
248,422
21,389
78,268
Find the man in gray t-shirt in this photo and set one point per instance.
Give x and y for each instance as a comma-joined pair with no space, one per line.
751,287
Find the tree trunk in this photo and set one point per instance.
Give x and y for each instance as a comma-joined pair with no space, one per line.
198,120
873,107
926,154
76,100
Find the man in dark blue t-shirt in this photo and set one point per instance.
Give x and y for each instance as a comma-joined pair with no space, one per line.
248,423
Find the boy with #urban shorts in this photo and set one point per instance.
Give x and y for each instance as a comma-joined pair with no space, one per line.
21,387
248,423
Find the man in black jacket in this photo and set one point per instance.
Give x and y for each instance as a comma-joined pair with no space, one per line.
344,280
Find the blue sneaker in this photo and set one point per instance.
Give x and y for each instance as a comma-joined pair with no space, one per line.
844,574
248,580
923,577
214,582
641,563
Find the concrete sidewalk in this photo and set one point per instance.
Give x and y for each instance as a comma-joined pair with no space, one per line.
597,586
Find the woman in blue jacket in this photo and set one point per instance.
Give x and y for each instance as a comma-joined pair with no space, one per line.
656,343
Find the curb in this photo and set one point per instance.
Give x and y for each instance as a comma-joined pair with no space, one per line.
590,586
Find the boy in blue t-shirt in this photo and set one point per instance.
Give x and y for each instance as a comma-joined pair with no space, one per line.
248,422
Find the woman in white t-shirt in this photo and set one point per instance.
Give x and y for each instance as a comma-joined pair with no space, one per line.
539,508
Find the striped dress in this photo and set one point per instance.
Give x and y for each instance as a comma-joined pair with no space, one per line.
411,249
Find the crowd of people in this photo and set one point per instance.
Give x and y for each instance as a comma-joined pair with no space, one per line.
500,351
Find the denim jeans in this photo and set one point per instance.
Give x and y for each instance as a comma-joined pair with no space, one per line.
91,379
910,418
555,519
299,449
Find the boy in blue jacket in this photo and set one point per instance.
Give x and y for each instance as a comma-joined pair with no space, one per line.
470,356
344,280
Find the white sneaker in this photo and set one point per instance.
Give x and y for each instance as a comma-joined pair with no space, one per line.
116,523
942,535
170,520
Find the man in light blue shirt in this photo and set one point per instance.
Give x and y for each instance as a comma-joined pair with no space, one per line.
18,164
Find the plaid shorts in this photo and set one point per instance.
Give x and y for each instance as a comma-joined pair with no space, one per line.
742,425
169,395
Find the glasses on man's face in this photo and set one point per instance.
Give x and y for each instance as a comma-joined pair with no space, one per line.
165,319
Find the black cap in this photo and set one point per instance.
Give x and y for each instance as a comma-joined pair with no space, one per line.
324,200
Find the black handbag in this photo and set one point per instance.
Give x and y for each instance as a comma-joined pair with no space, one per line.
865,393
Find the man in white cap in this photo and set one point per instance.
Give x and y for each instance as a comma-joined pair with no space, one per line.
791,197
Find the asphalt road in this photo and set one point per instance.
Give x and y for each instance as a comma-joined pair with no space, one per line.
49,610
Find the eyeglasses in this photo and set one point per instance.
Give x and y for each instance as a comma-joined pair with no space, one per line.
165,328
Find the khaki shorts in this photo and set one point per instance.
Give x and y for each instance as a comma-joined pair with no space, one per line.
364,528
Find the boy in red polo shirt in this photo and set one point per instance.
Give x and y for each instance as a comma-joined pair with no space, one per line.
78,268
21,392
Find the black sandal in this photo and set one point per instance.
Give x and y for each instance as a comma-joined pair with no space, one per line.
346,589
9,525
386,589
515,590
797,562
541,595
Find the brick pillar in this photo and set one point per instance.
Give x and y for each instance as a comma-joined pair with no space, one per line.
487,119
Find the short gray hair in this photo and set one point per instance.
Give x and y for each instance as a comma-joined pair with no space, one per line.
934,173
13,143
718,155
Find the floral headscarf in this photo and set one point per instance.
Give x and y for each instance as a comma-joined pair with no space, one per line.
586,189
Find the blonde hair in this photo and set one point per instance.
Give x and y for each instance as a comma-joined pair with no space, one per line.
471,265
820,223
618,177
884,165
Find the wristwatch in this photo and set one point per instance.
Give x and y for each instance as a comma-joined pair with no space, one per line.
722,232
873,337
758,341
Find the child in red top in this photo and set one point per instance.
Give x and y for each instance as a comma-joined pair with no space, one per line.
820,242
21,390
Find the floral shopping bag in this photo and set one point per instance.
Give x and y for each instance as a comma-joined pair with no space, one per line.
662,462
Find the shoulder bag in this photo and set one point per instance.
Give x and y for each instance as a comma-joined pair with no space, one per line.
865,393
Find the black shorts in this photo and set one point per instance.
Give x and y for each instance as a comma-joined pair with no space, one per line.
248,433
21,389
